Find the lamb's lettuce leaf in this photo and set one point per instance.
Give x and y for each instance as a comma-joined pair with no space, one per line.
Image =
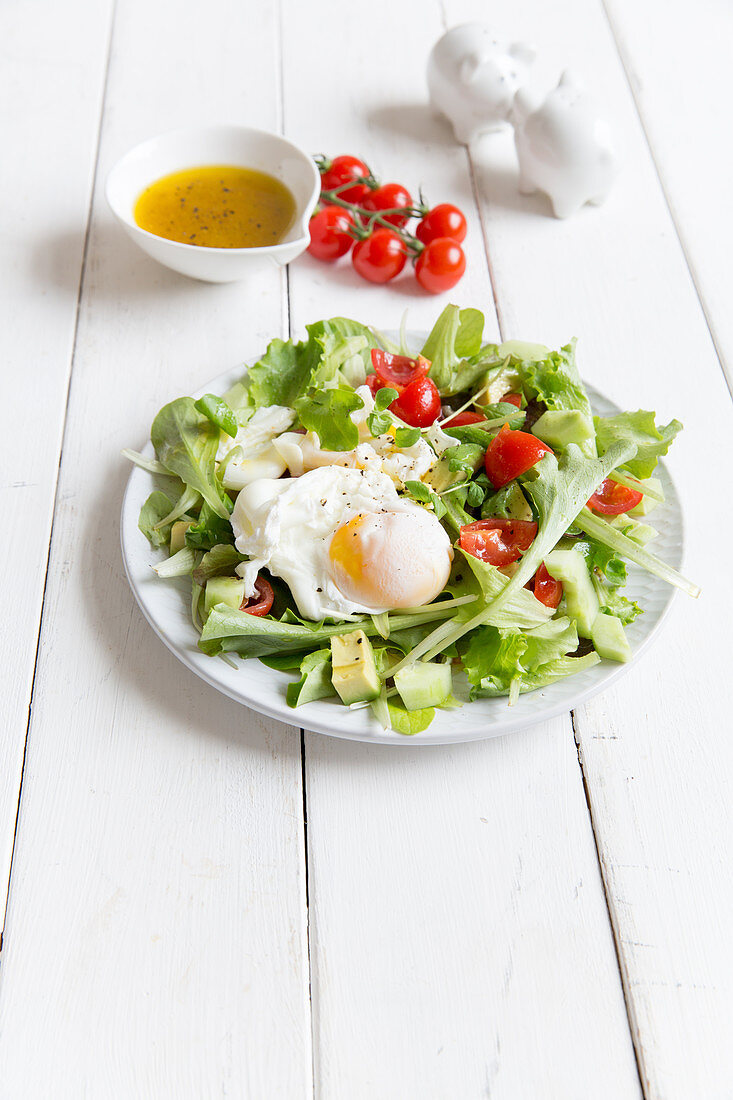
315,679
209,530
186,443
651,441
155,509
221,560
219,413
454,350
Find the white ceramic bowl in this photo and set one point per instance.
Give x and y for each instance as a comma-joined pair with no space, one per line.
238,145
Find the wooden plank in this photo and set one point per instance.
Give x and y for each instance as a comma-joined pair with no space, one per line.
658,762
688,125
51,82
158,891
460,942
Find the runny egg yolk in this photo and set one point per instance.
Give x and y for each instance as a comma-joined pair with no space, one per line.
390,559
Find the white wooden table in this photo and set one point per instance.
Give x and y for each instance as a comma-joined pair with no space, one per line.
202,902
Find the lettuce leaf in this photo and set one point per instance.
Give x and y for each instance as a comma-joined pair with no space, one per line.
651,441
546,674
328,413
186,443
409,722
495,658
288,369
279,376
556,381
230,630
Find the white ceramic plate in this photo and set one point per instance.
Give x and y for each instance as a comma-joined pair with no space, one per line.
166,606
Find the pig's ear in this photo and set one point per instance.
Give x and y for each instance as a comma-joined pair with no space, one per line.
522,51
469,67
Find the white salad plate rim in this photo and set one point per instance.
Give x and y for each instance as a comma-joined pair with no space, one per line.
166,606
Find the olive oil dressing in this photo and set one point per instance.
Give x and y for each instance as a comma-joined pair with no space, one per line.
217,206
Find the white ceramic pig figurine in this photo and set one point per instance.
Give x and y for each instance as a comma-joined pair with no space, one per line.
472,79
564,147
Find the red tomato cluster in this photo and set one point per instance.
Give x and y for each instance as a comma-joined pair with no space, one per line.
356,210
418,398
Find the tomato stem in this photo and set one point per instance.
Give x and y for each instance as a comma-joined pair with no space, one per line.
365,220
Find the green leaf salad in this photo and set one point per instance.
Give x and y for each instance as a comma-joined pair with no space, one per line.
383,527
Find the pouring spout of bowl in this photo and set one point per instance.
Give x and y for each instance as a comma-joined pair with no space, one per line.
284,256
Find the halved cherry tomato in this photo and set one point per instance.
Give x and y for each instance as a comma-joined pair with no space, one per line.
262,601
497,541
418,404
444,220
380,257
513,399
512,453
440,265
343,170
460,419
546,589
611,499
398,371
388,197
374,382
329,232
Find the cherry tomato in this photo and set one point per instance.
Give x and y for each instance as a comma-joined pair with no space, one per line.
380,257
497,541
398,371
512,453
513,399
460,419
387,197
444,220
611,499
418,404
440,265
374,382
343,170
329,230
261,602
546,589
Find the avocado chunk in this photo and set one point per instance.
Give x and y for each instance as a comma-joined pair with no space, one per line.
507,503
440,477
569,567
228,590
647,504
354,672
609,638
178,534
424,684
558,427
